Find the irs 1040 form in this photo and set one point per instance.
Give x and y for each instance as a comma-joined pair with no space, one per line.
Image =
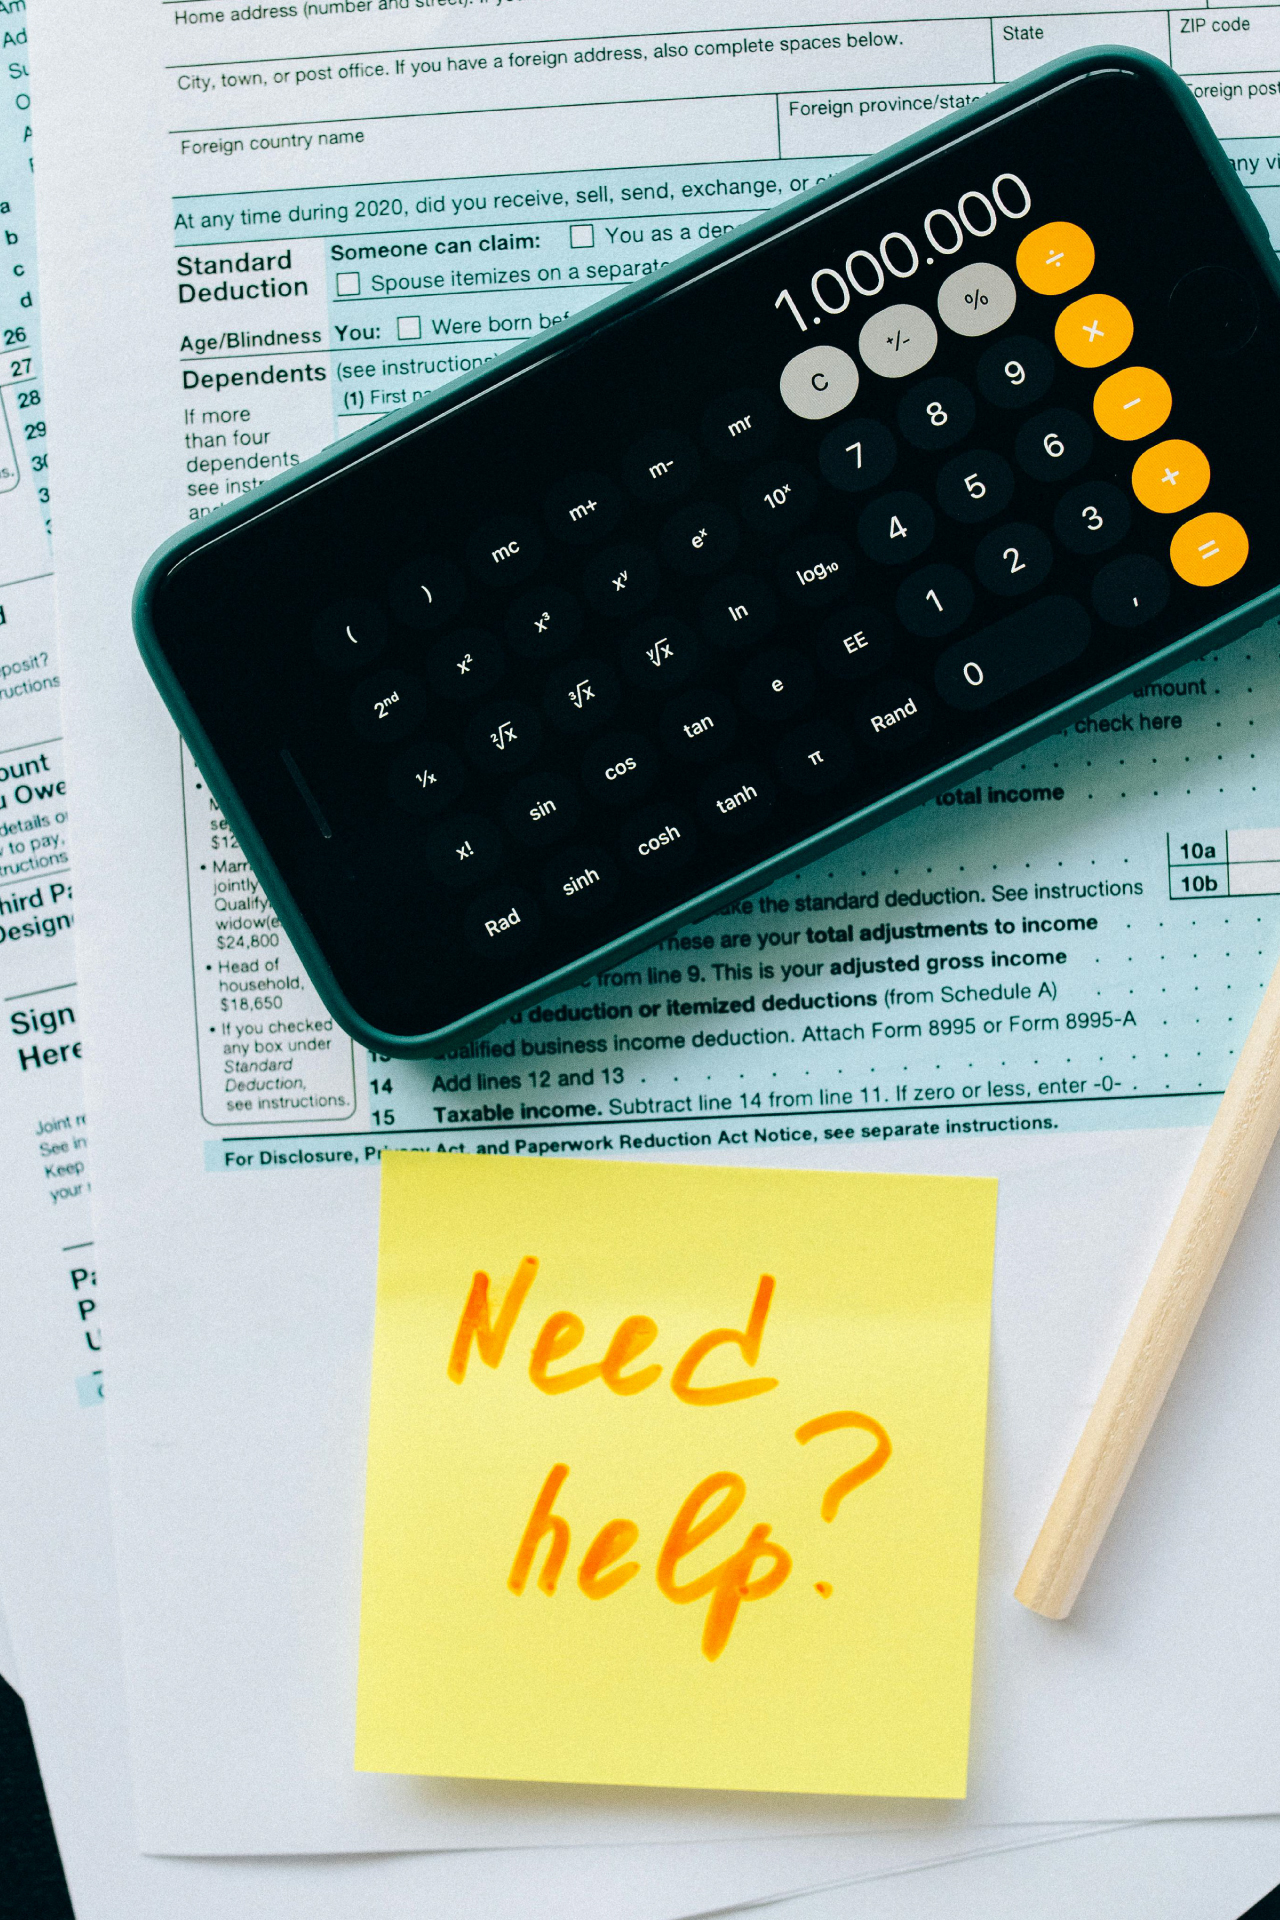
337,206
975,971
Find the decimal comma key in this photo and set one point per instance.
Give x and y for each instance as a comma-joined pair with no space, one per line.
1013,652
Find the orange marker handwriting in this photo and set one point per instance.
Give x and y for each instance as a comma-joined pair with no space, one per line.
562,1333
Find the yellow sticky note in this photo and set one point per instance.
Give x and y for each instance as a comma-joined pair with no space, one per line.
675,1475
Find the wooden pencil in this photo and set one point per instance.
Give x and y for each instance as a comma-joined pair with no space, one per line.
1163,1321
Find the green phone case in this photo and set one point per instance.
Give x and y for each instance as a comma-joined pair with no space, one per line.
862,820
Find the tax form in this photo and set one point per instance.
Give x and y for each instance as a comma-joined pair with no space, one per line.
373,200
56,1570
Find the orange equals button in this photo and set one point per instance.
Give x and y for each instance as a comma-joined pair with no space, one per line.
1209,549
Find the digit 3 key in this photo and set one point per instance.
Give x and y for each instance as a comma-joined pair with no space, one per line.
738,564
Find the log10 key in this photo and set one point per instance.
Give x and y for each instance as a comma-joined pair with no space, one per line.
813,524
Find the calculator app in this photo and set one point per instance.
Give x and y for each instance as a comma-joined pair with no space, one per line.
749,558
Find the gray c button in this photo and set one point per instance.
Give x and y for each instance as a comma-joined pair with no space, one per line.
819,382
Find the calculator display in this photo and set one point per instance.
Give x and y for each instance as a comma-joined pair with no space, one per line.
622,624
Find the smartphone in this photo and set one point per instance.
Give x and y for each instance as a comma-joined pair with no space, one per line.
809,526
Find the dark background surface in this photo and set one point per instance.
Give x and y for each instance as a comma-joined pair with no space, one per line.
31,1882
32,1886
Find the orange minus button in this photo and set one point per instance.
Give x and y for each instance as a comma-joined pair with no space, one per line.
1209,549
1132,403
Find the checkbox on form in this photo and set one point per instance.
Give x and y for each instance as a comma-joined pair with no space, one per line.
408,327
348,285
584,236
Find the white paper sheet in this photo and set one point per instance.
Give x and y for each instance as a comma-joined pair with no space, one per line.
57,1580
1188,1870
240,1304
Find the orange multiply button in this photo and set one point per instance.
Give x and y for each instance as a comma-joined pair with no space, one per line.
1092,331
1170,476
1132,403
1209,549
1055,258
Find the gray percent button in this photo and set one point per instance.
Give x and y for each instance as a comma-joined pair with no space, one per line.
819,382
898,341
976,299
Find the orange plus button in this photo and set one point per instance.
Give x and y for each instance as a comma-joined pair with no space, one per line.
1133,403
1171,475
1055,258
1094,330
1209,549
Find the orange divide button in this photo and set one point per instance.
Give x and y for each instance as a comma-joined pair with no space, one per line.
1133,403
1092,331
1170,476
1055,258
1209,549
